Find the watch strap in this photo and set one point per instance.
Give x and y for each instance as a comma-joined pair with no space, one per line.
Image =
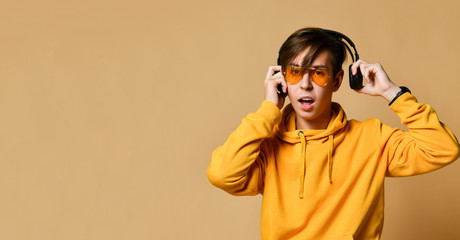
403,90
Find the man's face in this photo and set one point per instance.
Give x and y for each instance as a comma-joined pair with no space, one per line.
311,102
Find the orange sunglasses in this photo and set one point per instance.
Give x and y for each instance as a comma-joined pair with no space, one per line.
295,74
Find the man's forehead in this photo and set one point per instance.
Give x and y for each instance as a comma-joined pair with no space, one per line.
298,60
322,59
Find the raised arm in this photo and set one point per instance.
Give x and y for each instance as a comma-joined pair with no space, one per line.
427,146
238,166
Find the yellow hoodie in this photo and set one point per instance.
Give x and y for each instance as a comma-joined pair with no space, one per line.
328,184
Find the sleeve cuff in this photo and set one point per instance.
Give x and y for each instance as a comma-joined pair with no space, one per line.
269,111
405,106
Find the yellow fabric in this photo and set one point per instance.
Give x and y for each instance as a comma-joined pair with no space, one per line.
303,159
341,169
329,156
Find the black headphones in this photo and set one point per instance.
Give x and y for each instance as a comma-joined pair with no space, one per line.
356,81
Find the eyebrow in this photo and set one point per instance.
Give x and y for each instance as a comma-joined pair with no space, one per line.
312,67
319,66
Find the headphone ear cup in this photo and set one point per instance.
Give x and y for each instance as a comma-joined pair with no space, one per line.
356,81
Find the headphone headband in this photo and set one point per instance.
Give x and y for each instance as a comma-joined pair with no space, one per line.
337,35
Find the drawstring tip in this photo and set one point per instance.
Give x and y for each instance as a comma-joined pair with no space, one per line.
329,156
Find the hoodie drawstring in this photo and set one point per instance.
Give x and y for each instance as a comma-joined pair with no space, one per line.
329,156
302,169
304,160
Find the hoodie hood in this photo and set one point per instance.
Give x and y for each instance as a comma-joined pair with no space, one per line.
332,135
286,128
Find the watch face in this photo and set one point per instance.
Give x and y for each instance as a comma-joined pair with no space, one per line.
404,89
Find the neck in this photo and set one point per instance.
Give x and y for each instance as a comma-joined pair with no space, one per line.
320,122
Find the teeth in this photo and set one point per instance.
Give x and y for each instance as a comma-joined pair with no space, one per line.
306,99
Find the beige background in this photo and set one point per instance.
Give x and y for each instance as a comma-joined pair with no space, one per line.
110,110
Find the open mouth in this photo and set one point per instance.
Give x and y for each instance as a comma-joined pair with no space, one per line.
306,102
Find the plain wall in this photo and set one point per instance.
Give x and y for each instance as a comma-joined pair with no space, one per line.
110,110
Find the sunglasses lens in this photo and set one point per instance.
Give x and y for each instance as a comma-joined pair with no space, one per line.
293,75
319,76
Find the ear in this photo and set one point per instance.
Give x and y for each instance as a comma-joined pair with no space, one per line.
338,80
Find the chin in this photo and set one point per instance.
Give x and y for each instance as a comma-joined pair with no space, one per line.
307,115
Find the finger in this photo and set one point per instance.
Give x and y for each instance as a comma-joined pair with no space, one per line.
277,74
373,70
366,72
284,85
271,71
273,81
356,65
277,80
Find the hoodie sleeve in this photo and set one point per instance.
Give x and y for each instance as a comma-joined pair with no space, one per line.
238,166
427,146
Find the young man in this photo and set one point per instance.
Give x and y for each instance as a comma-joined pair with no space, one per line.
321,175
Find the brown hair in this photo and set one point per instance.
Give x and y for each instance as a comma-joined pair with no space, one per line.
318,41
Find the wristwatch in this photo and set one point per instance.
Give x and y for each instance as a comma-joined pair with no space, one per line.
403,90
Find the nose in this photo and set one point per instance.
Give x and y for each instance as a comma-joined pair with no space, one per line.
306,82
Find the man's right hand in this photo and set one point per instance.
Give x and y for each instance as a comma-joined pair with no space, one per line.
272,80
